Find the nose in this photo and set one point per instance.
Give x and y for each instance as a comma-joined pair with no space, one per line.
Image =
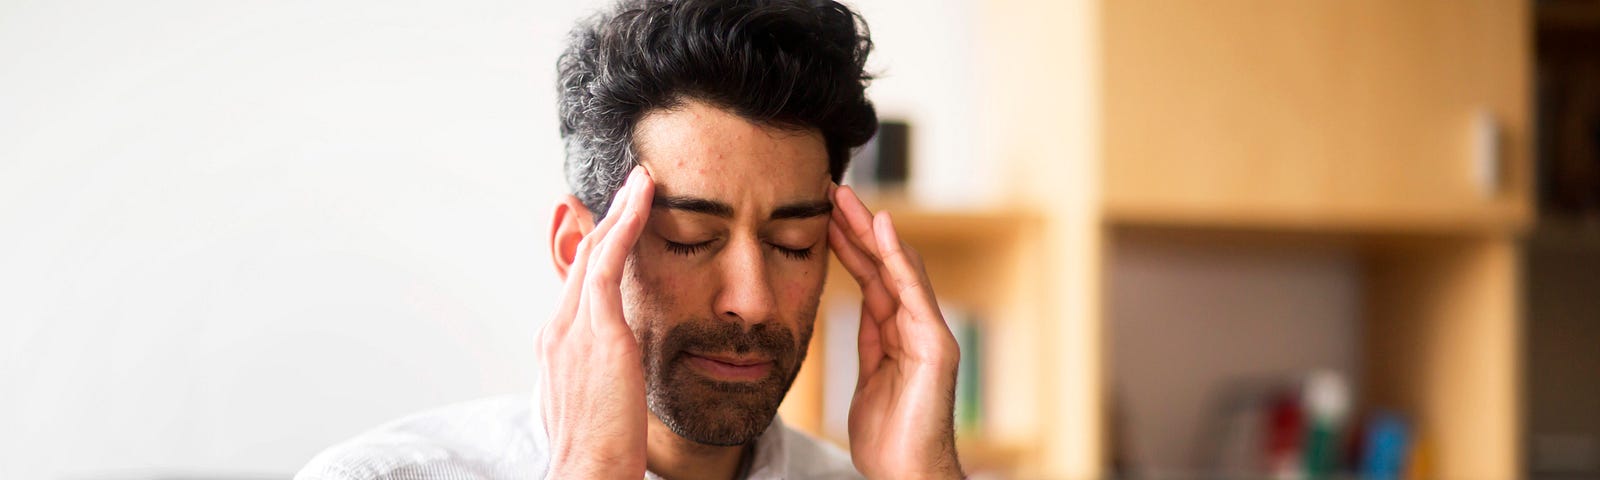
746,295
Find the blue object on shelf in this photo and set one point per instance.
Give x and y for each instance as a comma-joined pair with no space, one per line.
1388,438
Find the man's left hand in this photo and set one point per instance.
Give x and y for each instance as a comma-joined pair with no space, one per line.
901,419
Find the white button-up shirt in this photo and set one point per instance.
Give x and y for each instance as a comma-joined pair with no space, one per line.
503,438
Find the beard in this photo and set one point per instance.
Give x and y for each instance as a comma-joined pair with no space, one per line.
710,411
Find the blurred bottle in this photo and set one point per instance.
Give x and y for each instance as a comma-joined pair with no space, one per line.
1386,445
1285,431
1327,400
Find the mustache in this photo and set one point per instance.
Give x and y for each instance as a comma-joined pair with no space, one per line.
711,336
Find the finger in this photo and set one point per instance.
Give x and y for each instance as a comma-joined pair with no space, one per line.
633,200
837,218
578,279
593,243
571,291
874,296
597,239
606,308
619,203
909,278
857,219
869,348
881,272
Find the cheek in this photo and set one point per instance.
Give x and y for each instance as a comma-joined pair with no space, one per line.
643,299
655,292
800,296
799,288
801,283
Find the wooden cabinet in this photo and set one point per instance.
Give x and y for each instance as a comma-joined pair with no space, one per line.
1400,129
1352,112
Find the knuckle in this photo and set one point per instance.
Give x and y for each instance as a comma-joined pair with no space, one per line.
609,347
627,219
549,340
952,360
614,333
601,278
911,253
614,340
894,251
586,244
910,284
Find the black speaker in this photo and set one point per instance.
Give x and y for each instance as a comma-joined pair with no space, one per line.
885,160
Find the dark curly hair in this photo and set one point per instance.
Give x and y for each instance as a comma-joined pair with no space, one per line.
794,64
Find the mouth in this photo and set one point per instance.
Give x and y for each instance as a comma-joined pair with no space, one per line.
730,368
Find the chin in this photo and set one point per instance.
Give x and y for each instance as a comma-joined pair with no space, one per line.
718,413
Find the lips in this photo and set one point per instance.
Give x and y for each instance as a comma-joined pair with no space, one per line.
735,368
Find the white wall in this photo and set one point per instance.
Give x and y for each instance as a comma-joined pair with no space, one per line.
232,233
924,62
237,231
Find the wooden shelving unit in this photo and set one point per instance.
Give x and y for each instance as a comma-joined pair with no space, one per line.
1236,123
1299,125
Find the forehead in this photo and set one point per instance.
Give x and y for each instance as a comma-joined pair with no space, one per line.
700,150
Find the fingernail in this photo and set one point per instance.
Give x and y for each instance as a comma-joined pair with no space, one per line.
884,228
636,177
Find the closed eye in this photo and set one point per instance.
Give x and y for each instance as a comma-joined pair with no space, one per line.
687,249
690,249
793,253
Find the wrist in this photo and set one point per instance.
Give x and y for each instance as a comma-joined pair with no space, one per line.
933,475
570,465
946,469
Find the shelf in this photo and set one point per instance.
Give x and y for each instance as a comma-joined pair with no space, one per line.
919,224
1490,219
1436,316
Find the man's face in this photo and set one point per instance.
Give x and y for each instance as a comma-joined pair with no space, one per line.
722,287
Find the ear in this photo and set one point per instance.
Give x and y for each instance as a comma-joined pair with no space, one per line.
570,223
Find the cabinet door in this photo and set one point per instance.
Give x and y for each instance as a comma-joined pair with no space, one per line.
1337,109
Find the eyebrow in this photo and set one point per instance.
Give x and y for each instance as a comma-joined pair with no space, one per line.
809,209
805,209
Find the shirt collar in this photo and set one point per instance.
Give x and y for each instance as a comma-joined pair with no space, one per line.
772,455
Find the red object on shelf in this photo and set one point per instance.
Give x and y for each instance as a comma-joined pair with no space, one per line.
1286,426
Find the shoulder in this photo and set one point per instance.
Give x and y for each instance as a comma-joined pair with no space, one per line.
811,458
489,438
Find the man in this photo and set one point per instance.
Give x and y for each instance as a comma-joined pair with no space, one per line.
705,140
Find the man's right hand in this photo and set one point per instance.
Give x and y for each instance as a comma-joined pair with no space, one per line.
592,388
